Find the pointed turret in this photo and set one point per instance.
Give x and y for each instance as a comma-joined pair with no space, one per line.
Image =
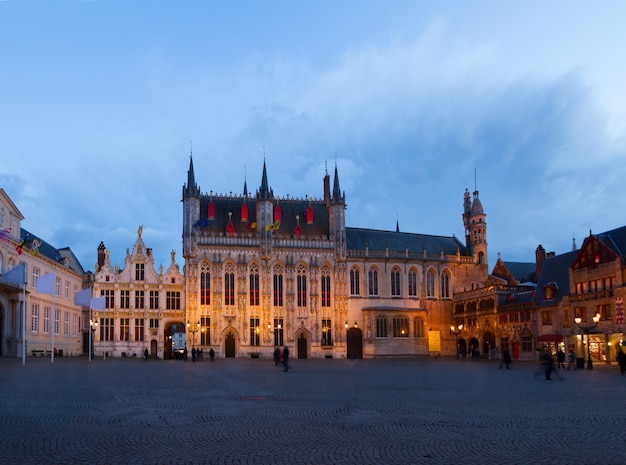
265,193
191,188
337,197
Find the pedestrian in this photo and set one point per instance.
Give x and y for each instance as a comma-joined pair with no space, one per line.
571,359
560,359
145,354
193,354
276,356
212,354
185,354
286,358
621,360
506,359
548,365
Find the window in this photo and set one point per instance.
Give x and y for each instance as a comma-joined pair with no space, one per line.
68,290
605,311
278,332
106,329
445,285
546,318
254,285
154,300
527,344
139,329
46,320
412,283
75,323
278,286
139,272
154,323
205,284
430,283
395,282
57,321
327,339
124,329
205,332
400,326
355,288
229,285
172,300
57,286
418,329
108,298
301,283
325,286
34,318
255,332
381,326
139,300
548,293
66,323
580,312
566,322
35,277
372,280
125,299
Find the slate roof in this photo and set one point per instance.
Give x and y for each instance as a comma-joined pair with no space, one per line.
522,271
373,239
614,239
50,252
555,270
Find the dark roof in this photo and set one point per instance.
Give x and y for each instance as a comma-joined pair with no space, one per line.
523,272
555,271
50,252
359,239
615,239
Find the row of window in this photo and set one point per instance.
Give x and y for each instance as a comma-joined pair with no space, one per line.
398,326
396,282
594,285
136,332
41,322
172,299
61,289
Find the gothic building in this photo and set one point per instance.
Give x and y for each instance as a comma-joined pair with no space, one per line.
263,271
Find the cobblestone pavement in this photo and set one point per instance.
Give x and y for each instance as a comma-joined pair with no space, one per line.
248,411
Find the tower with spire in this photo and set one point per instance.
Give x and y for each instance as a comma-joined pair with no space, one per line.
475,227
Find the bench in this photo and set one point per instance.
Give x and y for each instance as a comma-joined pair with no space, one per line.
36,353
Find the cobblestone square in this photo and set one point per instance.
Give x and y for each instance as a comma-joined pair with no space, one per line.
323,411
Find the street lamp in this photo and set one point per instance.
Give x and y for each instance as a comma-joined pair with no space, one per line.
456,331
587,330
94,325
193,333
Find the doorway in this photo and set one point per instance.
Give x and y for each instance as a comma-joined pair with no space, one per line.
354,340
229,345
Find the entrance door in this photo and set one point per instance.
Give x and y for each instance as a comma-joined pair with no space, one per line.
354,340
229,345
303,344
153,347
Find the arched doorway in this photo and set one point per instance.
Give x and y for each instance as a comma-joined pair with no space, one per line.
474,346
489,342
303,346
169,332
229,345
462,348
354,343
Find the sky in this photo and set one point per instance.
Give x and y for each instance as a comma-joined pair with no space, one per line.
102,102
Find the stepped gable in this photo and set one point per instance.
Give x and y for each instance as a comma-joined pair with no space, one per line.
359,239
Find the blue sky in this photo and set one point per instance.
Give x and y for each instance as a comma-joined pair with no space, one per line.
101,102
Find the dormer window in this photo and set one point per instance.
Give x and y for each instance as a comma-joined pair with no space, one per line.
549,290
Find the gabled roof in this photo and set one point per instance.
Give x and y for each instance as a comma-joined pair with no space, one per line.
555,273
522,271
4,198
372,239
50,252
615,239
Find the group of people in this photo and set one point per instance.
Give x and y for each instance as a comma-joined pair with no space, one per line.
197,354
281,357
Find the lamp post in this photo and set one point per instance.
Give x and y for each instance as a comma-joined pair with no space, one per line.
93,325
456,330
587,330
193,333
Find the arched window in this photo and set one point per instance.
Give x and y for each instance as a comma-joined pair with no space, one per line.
381,326
481,258
229,285
445,285
400,326
301,283
418,329
395,282
430,283
355,287
325,280
254,285
205,284
373,281
278,286
412,282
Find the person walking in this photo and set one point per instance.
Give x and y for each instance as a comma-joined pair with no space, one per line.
286,358
571,359
621,360
212,354
276,356
145,354
506,359
560,359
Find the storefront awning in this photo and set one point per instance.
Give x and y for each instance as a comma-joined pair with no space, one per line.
550,338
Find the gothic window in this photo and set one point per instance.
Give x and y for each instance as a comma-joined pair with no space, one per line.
255,332
445,285
327,339
229,285
395,282
400,326
381,326
355,288
418,329
278,286
205,331
301,283
254,285
373,281
325,286
430,283
412,283
278,332
205,284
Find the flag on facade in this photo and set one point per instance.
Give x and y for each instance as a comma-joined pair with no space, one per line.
251,225
35,247
98,303
83,297
19,247
16,275
272,227
45,284
4,234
